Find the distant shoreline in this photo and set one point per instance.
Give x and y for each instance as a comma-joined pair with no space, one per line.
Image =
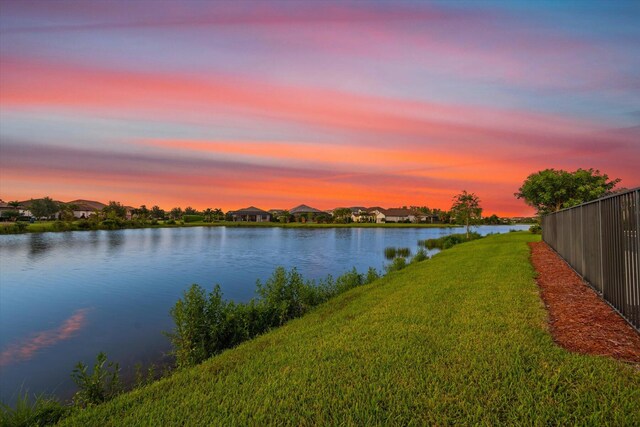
50,226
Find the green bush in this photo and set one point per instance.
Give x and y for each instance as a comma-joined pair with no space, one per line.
189,338
99,386
141,378
83,224
20,227
349,280
111,224
62,226
398,264
420,256
170,222
43,411
446,242
207,324
535,229
192,218
372,275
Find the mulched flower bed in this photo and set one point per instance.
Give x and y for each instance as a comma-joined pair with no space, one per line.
579,320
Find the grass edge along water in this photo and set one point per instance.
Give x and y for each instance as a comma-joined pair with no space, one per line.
459,339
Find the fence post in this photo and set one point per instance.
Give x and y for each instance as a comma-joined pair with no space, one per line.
601,246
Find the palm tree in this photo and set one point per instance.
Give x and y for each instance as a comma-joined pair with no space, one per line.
284,216
218,214
208,215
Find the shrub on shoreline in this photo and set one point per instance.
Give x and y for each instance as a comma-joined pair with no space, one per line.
206,324
446,242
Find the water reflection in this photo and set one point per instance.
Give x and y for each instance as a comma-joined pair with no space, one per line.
115,239
38,245
26,348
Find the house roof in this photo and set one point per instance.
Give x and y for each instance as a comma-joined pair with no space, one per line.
87,205
304,209
251,210
356,209
25,204
397,212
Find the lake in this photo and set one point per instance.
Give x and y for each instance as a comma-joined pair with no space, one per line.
64,297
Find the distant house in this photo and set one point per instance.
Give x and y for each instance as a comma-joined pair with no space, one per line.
5,207
394,215
305,210
250,214
85,208
362,214
129,212
379,214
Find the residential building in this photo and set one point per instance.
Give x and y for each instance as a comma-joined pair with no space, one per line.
250,214
85,208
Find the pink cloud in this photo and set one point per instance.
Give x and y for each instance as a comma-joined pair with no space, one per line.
29,347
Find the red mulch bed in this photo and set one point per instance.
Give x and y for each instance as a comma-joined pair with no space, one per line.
579,319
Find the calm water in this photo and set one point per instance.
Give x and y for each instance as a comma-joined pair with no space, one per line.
64,297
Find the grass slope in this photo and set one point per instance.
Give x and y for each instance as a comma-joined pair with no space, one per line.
461,338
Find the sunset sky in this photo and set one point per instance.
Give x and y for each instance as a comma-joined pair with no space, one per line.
273,104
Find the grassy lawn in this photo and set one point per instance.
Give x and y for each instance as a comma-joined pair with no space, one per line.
460,339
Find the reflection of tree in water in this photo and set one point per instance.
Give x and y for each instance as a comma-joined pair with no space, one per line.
41,243
38,245
115,239
156,237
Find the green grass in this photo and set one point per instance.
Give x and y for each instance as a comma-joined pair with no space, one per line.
459,339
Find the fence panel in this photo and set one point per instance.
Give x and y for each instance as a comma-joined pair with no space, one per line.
601,241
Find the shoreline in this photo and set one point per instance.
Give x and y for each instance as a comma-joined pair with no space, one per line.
50,226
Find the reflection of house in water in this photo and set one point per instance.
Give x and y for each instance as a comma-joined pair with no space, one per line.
251,214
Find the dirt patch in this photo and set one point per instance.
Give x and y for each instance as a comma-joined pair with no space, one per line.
579,320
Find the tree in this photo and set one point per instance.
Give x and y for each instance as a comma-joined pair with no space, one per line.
14,204
176,213
142,212
45,207
466,209
551,190
66,211
419,212
190,211
208,215
284,216
492,220
11,215
218,215
342,214
114,210
157,213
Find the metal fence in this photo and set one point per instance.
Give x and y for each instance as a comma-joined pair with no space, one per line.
601,241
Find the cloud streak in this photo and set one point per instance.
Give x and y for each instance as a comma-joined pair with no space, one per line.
232,104
27,348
